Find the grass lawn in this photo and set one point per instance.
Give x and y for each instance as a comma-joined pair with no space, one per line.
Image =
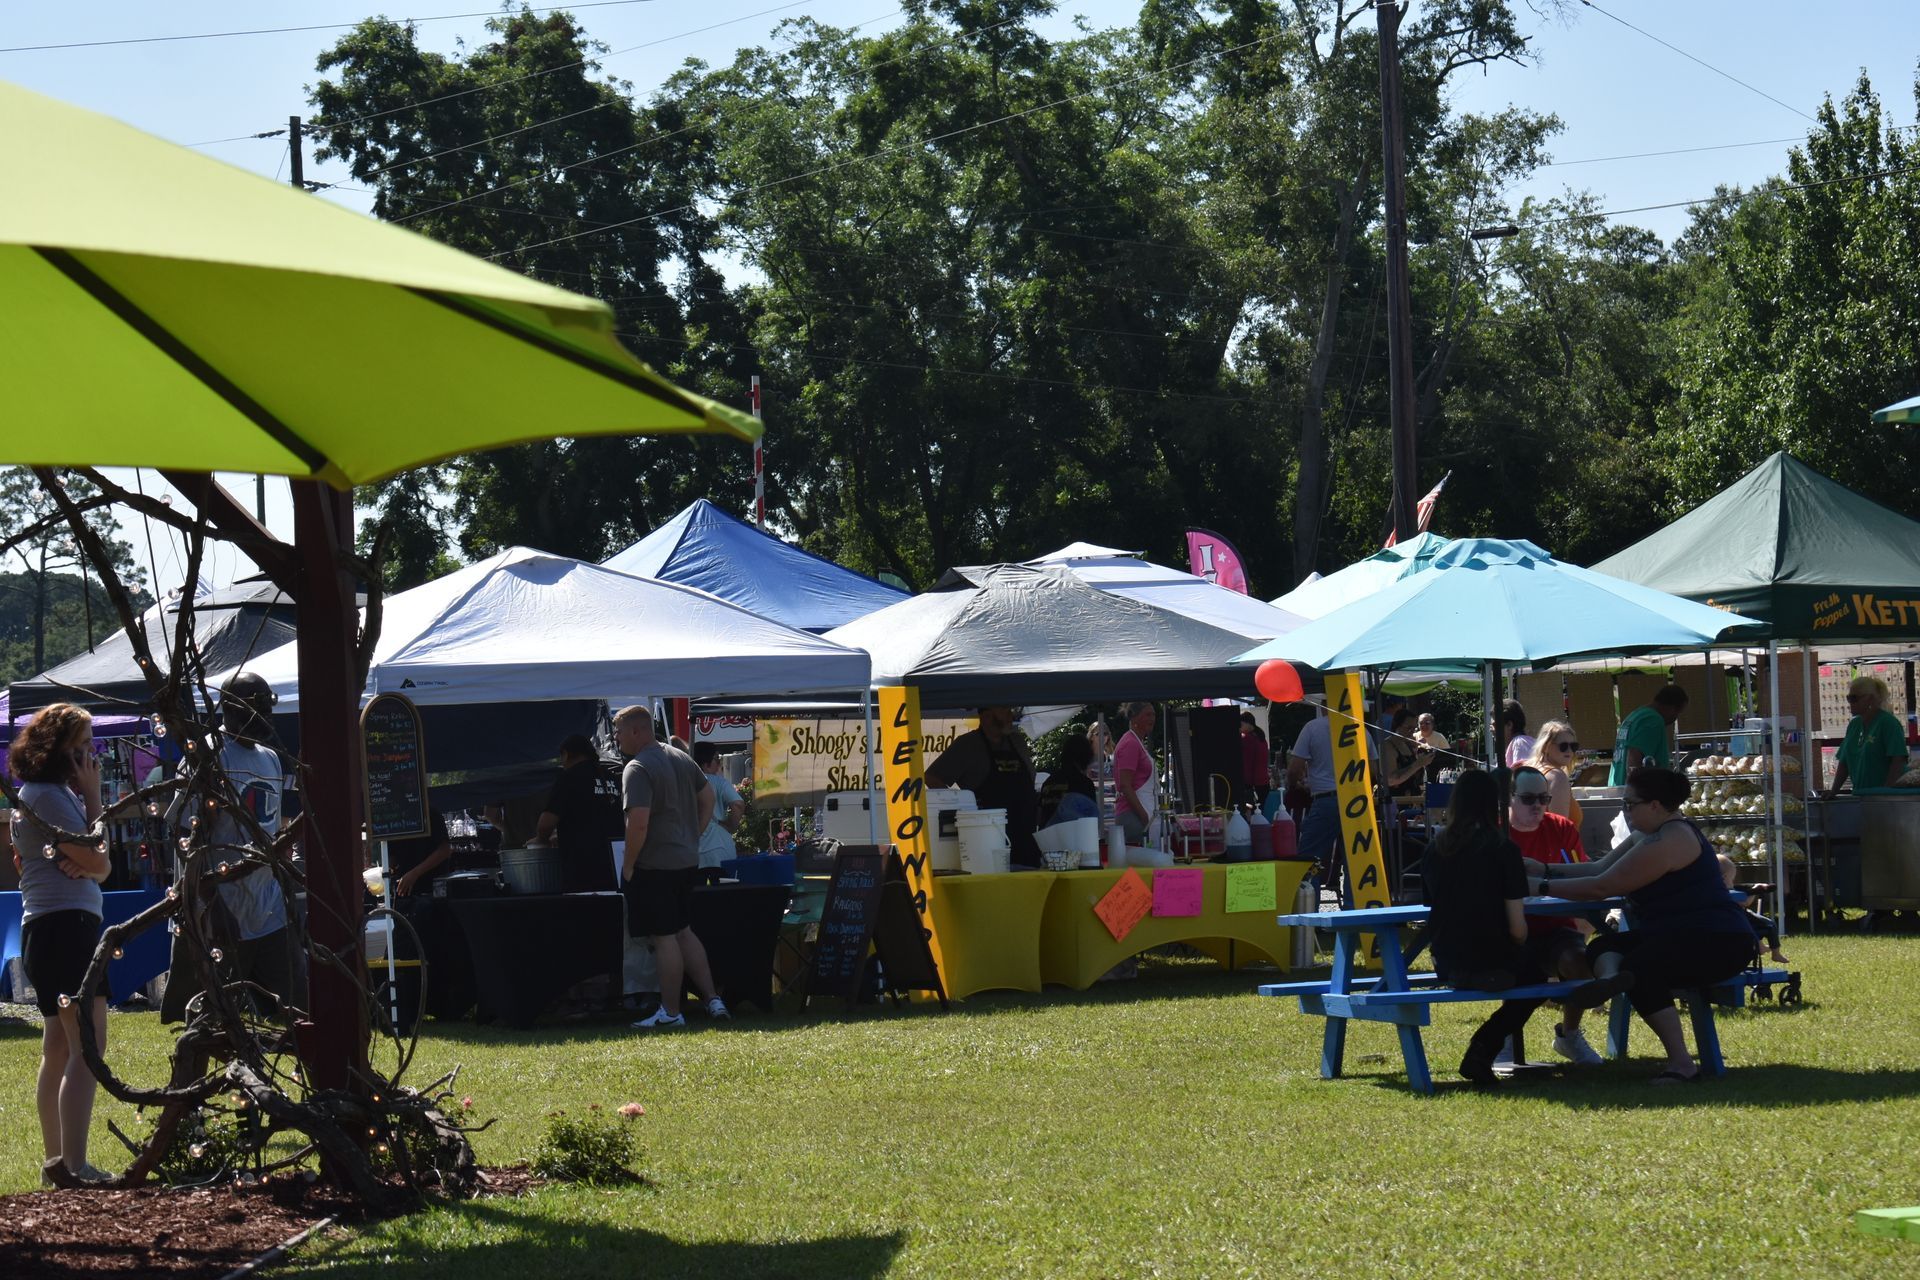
1170,1126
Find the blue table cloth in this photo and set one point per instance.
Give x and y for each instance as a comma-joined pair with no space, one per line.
146,956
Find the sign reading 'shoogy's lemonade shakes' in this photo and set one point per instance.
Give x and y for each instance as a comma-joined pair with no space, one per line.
1353,785
798,762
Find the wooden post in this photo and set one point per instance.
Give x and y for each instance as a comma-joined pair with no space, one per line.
334,1047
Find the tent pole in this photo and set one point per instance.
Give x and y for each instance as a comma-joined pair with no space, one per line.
873,774
1779,784
1810,717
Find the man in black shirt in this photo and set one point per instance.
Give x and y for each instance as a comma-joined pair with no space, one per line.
581,811
420,858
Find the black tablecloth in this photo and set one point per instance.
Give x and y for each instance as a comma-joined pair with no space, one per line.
739,925
526,950
512,956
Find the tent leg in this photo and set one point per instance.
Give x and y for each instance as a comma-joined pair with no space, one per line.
873,771
1809,717
1779,783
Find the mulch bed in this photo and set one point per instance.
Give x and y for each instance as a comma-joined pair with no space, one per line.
180,1234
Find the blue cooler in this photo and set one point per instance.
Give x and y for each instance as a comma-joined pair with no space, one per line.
767,868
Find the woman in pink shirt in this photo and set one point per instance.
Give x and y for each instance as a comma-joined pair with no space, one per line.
1135,780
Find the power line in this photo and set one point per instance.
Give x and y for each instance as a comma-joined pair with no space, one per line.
319,26
662,137
904,146
598,106
1688,204
565,66
1702,61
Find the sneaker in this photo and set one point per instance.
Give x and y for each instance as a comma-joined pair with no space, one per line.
1572,1045
717,1008
660,1020
1504,1058
89,1173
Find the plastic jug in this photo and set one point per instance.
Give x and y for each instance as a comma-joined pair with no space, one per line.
1262,835
1286,838
1239,838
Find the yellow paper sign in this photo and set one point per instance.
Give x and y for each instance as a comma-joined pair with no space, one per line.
1250,887
903,771
1125,905
1353,784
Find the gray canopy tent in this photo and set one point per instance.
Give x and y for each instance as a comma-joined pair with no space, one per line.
1011,633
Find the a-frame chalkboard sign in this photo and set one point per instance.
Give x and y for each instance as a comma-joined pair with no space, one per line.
395,752
869,907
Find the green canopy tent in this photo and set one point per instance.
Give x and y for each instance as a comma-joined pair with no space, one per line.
1784,544
159,308
1814,560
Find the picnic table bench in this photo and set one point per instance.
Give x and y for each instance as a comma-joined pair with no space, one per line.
1405,999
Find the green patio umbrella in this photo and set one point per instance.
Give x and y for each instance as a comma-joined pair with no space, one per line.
160,308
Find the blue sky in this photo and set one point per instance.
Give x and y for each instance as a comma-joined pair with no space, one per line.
1618,92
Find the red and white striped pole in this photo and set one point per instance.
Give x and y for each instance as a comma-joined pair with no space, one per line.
759,463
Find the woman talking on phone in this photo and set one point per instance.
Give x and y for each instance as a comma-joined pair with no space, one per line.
60,900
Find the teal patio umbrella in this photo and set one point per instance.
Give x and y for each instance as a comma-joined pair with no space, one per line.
1906,413
1321,596
1488,600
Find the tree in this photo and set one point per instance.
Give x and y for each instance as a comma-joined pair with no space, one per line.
1807,318
57,606
518,151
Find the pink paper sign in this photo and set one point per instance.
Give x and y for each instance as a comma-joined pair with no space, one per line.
1177,891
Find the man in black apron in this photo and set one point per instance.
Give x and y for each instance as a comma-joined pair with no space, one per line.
993,762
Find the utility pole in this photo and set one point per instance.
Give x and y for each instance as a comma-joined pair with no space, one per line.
759,465
297,172
1406,462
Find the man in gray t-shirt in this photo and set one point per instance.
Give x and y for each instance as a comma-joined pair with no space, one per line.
669,801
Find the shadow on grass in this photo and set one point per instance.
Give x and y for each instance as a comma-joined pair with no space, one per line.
1627,1086
522,1239
1160,978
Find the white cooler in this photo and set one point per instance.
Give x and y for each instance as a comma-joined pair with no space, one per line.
844,817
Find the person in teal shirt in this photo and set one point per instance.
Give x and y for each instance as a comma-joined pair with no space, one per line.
1874,753
1643,734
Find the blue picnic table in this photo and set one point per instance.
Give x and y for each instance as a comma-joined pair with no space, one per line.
1405,999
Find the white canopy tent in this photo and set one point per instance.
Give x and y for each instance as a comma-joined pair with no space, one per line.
1125,573
530,626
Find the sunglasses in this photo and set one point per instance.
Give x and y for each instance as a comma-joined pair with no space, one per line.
1532,797
1567,746
1630,803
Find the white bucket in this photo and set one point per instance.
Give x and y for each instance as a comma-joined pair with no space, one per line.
944,805
984,848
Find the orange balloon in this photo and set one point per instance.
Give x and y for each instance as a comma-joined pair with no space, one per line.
1277,681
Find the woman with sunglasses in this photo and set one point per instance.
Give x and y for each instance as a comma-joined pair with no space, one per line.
1553,755
1687,931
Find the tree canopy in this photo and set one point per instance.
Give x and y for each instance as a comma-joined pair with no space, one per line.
1007,291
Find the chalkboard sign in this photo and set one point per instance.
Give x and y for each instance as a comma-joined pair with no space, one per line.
396,762
869,904
847,922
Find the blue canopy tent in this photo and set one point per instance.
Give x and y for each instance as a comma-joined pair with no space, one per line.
719,553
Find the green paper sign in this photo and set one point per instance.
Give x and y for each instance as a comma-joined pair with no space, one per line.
1250,887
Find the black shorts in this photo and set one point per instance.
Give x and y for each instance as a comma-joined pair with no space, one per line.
660,903
56,949
1551,947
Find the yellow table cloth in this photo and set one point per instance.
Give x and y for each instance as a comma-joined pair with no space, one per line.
1075,947
989,929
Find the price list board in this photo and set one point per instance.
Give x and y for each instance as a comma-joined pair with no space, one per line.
394,749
